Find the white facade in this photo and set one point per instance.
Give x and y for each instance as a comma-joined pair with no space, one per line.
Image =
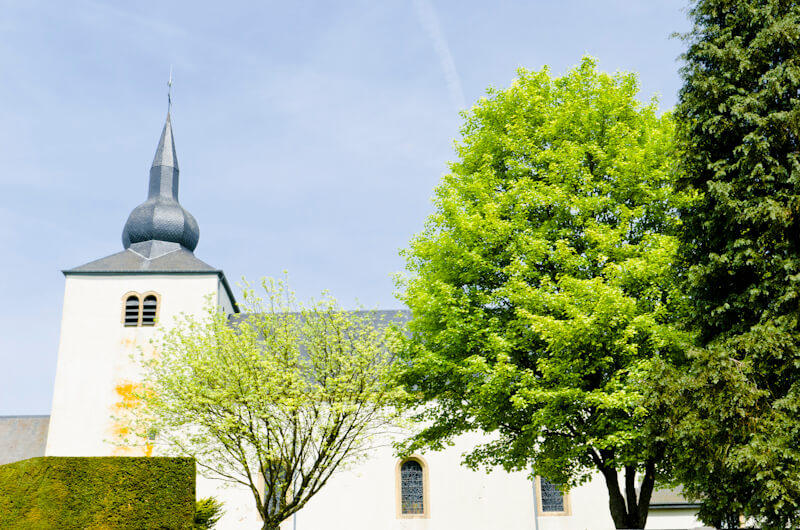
96,373
365,497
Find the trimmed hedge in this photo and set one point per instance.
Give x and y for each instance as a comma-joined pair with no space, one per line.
98,493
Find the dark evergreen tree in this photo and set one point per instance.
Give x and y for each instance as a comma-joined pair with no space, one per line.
739,124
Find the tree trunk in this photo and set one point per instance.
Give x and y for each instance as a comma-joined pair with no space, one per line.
646,492
270,523
627,511
616,502
729,520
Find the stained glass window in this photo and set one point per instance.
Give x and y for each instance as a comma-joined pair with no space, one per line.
411,488
552,499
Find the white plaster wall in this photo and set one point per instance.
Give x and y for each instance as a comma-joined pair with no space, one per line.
363,497
239,504
588,509
95,349
671,519
223,300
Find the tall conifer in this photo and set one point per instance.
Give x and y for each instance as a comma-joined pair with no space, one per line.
739,130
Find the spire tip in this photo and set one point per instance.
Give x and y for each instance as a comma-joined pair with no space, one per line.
169,90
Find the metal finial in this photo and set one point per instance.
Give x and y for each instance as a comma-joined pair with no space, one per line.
169,90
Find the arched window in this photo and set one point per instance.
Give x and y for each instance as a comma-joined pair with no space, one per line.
551,499
131,309
140,309
149,308
412,479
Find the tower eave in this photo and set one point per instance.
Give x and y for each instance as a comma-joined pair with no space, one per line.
128,262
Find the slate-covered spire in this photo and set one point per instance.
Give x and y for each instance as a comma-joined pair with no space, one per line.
161,219
164,171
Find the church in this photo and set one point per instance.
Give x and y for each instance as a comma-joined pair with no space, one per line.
111,310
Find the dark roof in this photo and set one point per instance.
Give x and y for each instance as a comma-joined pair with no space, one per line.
670,499
153,257
22,437
177,260
378,318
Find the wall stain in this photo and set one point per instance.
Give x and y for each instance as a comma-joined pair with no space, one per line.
123,410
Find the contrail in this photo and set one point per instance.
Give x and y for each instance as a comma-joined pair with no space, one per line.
429,20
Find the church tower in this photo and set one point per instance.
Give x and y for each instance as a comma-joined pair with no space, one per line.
113,308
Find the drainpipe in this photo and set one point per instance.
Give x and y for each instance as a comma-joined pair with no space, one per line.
535,504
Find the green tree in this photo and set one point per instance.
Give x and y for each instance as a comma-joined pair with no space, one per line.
542,287
275,399
738,127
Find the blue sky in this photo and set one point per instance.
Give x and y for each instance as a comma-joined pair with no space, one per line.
310,135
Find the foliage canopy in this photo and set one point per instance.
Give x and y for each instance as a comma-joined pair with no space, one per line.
543,286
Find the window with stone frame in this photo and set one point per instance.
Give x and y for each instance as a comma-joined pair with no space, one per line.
140,309
412,488
131,309
149,309
551,498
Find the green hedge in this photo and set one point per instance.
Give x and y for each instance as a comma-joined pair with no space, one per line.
98,493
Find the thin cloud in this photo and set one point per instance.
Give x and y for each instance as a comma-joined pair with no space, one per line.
430,22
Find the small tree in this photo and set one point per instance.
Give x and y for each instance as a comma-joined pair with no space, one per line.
276,399
543,287
207,512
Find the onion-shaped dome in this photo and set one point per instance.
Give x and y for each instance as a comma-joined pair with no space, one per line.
161,217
